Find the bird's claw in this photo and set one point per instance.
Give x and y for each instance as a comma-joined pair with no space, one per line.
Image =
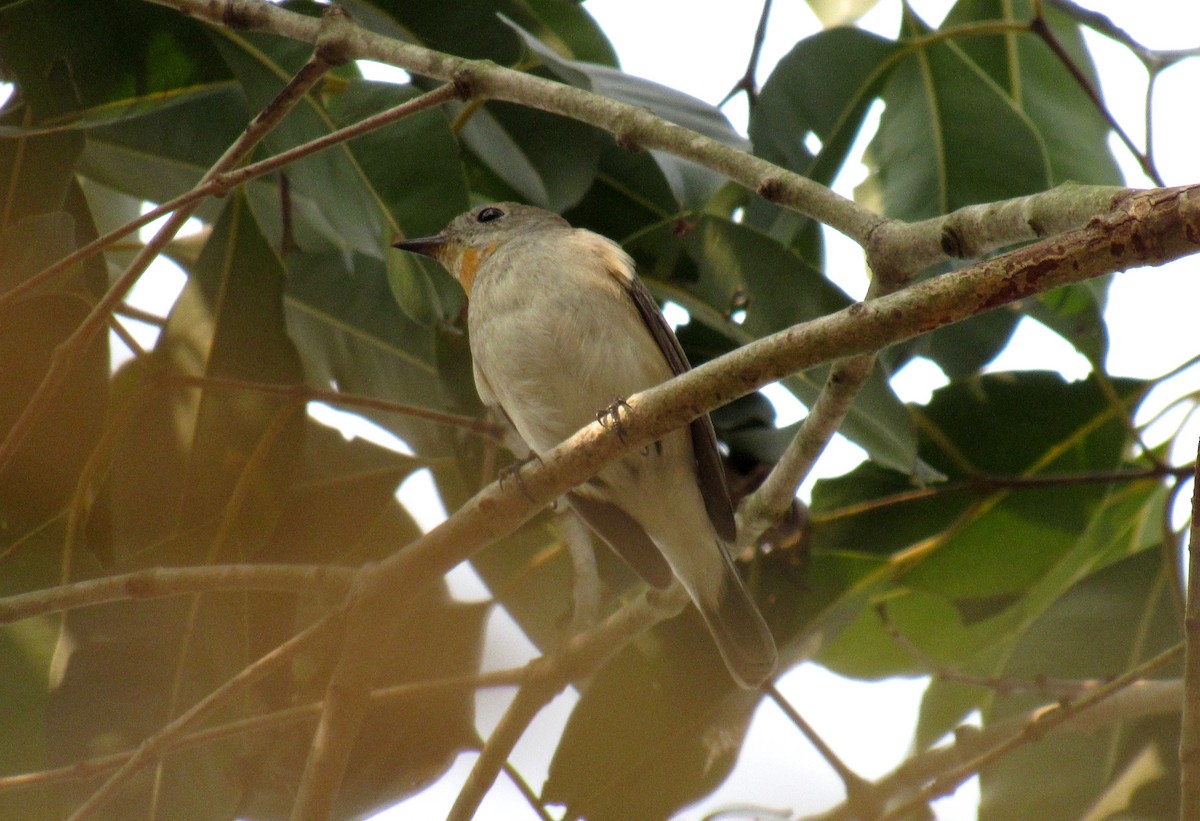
513,472
610,417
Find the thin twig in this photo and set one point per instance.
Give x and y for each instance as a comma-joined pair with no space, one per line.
531,697
991,483
1042,685
66,355
219,185
306,393
547,676
749,81
154,747
858,789
160,582
270,721
1043,721
527,792
1041,28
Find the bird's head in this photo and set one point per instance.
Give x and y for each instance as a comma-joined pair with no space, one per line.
470,238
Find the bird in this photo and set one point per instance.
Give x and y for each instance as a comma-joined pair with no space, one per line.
561,328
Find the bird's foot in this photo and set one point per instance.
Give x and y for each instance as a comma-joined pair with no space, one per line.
610,417
513,472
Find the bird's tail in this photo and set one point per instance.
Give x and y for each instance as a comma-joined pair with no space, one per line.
739,631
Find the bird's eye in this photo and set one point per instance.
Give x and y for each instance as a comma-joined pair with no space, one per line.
489,214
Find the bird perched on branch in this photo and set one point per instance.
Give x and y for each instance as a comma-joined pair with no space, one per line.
560,327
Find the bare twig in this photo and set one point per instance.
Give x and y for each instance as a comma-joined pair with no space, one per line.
306,393
1149,697
92,767
219,185
531,697
1042,722
67,354
547,676
749,81
160,582
1042,29
858,789
154,747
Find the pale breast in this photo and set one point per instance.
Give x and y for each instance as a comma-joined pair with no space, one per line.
563,339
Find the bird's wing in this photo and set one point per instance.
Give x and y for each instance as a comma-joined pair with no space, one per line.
709,472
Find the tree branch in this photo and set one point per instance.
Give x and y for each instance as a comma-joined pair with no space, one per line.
1141,698
326,54
160,582
633,126
1148,228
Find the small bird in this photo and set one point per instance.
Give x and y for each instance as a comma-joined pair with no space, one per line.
560,327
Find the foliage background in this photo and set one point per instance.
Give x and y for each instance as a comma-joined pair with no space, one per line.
293,282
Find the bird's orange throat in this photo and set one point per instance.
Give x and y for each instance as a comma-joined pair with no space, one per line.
470,261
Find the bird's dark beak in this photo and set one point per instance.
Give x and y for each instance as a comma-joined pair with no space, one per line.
431,247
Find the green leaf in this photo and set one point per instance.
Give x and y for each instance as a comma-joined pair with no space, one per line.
956,595
360,222
96,60
160,155
719,266
547,160
1128,614
644,741
228,323
950,135
352,336
1073,130
823,86
423,187
476,28
693,185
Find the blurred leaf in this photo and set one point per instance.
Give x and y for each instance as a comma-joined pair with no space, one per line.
838,12
42,476
1128,614
26,665
645,738
442,639
122,676
228,323
950,136
97,60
